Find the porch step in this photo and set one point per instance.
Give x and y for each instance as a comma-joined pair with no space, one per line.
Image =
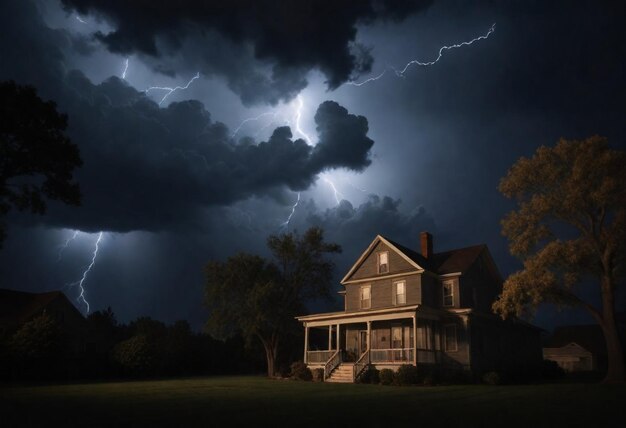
342,374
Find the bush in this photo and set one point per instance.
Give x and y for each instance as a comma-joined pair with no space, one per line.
299,371
551,370
318,375
407,374
136,356
492,378
431,376
386,376
370,375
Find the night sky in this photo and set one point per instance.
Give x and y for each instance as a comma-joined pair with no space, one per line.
276,116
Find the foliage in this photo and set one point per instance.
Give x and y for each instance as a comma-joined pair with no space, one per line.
370,375
37,340
492,378
259,299
430,376
550,370
36,157
570,231
299,371
318,375
407,374
136,356
386,376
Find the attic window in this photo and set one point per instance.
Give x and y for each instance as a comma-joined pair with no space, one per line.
383,262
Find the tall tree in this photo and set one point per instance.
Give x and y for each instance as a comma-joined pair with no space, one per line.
569,229
36,157
259,299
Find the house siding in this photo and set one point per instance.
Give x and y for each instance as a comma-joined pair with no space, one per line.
478,287
382,292
369,266
459,359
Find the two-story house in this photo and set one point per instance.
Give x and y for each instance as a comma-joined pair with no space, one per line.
403,307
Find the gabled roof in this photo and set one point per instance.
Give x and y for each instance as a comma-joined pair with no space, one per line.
17,307
589,337
453,261
402,251
459,260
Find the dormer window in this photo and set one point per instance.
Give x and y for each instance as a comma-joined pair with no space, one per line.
383,262
448,293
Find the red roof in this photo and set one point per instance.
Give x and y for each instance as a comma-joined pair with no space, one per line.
459,260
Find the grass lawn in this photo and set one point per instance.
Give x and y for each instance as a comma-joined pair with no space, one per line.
256,401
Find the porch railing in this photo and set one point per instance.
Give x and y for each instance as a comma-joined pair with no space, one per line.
360,365
402,356
331,364
392,355
319,357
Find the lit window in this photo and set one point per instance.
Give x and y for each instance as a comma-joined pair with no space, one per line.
383,262
449,332
399,290
448,293
366,297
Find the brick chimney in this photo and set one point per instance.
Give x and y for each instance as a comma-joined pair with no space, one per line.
427,244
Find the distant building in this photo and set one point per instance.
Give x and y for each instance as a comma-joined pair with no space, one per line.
19,307
428,310
577,348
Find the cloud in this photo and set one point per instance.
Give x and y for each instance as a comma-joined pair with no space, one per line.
289,38
152,168
343,138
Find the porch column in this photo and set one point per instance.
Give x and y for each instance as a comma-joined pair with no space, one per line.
415,339
369,332
330,337
338,336
306,342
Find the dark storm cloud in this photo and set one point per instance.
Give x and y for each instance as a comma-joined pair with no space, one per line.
290,37
344,136
152,168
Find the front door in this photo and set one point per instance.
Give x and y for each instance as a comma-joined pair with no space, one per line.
362,342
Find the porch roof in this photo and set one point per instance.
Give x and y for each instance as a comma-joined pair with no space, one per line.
343,317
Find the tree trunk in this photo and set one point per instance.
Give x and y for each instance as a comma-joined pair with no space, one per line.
615,370
271,361
271,351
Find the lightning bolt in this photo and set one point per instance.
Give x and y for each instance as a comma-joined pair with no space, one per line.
125,69
293,210
170,91
336,192
67,242
360,189
253,119
300,106
400,73
81,20
80,283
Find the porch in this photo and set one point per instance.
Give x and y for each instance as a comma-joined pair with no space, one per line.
386,337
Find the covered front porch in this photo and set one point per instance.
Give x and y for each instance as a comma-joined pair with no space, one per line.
384,337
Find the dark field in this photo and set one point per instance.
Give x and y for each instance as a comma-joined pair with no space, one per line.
256,401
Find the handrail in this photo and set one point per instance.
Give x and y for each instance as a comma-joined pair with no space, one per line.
332,363
361,364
